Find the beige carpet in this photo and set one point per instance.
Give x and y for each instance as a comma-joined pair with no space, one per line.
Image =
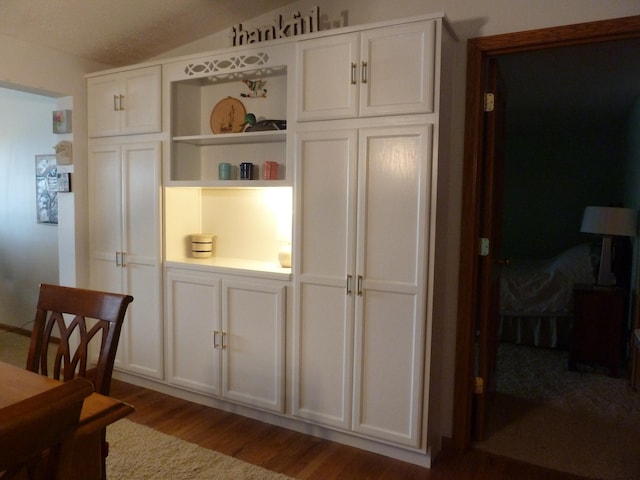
137,452
584,423
13,348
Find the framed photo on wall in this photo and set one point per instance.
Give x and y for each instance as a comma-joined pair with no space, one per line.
46,189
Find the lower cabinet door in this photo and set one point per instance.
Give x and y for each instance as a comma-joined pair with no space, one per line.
192,314
142,333
253,325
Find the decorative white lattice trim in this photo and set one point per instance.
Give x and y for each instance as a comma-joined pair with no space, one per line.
227,65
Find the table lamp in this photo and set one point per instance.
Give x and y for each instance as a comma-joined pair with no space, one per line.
608,222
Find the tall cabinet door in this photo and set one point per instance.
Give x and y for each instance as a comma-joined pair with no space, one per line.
142,334
124,245
105,171
323,318
393,218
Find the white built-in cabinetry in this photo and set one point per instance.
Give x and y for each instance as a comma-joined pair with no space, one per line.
196,86
125,244
125,208
381,71
341,340
225,336
365,207
124,103
361,276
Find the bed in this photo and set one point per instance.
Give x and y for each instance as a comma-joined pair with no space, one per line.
536,297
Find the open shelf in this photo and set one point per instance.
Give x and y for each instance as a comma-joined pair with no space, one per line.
234,138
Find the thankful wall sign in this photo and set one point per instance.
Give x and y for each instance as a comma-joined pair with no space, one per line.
298,25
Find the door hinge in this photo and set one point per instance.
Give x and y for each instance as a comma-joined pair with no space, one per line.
484,247
478,387
489,102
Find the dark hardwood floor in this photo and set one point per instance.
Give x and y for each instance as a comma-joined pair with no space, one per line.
301,456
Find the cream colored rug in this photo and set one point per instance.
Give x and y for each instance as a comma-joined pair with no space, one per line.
14,348
137,452
584,423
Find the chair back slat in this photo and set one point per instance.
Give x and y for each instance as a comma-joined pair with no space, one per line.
104,311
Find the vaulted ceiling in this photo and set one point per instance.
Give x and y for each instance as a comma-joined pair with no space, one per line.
122,32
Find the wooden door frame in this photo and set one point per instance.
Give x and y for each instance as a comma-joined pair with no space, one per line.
478,51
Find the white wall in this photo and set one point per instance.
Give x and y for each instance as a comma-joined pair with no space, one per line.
28,250
59,78
469,19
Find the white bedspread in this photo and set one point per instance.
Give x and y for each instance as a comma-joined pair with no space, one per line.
545,287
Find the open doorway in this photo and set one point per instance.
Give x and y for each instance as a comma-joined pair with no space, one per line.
28,249
475,180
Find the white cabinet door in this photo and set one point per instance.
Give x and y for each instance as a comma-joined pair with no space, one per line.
383,71
124,103
327,77
142,333
192,314
393,219
103,115
105,203
397,69
253,316
323,311
124,245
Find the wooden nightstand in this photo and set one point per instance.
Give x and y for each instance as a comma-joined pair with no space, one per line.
599,323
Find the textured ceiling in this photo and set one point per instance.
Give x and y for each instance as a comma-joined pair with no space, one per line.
122,32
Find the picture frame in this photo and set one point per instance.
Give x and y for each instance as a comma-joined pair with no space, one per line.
64,182
61,121
46,189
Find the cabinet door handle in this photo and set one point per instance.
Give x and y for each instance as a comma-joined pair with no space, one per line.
364,72
123,261
359,292
118,260
215,338
121,102
224,336
115,102
353,73
348,285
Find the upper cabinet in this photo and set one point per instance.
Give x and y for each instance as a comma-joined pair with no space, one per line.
351,75
124,103
230,109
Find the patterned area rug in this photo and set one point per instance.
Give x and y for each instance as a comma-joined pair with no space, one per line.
584,423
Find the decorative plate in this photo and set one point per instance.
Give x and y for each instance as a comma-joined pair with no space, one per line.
228,116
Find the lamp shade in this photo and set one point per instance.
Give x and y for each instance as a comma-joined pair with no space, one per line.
609,221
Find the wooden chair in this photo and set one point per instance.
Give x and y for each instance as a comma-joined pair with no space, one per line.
37,434
93,317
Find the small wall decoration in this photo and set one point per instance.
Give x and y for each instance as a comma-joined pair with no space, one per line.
47,189
298,25
62,121
256,87
64,182
228,116
64,153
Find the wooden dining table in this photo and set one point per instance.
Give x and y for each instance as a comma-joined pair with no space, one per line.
98,411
